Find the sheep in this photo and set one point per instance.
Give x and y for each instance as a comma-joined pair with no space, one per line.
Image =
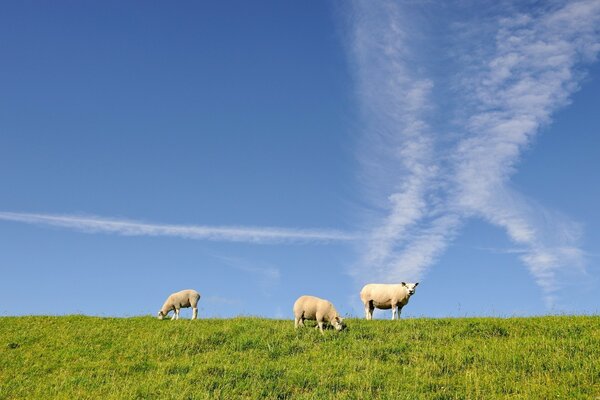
314,308
386,296
176,301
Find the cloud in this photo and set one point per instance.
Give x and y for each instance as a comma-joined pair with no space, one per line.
397,140
93,224
268,274
430,164
222,300
532,69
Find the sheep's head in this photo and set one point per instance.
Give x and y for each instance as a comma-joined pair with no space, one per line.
161,315
410,287
338,323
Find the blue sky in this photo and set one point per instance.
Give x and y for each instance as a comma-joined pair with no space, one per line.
258,152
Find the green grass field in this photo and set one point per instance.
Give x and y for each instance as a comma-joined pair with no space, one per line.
77,357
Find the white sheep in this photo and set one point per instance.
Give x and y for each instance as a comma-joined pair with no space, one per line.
386,296
176,301
316,309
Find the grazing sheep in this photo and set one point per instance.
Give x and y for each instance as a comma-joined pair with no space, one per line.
386,296
314,308
176,301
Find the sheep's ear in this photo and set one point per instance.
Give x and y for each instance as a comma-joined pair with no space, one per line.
416,284
403,283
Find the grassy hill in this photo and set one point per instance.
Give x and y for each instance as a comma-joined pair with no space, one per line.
77,357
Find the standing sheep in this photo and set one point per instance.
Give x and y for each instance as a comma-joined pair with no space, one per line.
386,296
314,308
176,301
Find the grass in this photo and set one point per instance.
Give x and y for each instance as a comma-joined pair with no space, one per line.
78,357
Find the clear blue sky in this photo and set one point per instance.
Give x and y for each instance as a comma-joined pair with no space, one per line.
260,151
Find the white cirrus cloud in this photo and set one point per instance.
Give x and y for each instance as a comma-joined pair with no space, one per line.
446,119
94,224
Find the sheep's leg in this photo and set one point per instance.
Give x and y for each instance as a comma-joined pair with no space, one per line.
399,311
394,310
367,309
299,320
195,313
176,314
320,326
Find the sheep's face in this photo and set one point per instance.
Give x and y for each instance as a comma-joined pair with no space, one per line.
161,315
338,323
410,287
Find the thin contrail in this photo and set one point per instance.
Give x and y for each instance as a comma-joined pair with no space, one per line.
94,224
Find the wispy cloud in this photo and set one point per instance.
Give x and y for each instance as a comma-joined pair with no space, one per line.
531,70
507,73
267,275
93,224
397,149
222,300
